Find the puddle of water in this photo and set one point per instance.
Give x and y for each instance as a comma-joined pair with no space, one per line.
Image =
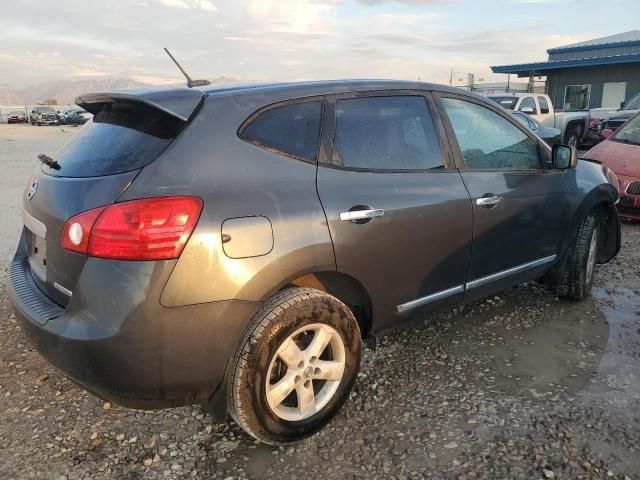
617,380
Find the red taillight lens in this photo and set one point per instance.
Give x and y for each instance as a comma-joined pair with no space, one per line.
77,231
146,229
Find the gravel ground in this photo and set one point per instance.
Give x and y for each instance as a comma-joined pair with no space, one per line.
522,385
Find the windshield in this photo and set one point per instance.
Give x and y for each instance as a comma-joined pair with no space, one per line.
629,132
16,112
507,102
633,104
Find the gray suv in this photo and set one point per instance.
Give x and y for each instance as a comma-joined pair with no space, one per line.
232,247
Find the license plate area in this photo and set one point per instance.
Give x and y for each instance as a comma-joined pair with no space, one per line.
36,234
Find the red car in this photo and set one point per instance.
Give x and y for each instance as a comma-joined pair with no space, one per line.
621,153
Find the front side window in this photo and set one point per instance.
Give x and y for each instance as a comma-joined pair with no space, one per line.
530,104
386,133
544,105
292,129
487,140
576,97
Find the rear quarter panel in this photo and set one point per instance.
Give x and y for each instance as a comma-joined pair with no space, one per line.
237,179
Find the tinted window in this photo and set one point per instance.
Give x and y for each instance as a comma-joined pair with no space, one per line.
386,133
123,136
544,105
489,141
291,129
506,102
528,102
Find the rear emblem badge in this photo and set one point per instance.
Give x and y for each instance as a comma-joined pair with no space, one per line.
33,188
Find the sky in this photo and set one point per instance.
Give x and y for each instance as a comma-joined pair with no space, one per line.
274,40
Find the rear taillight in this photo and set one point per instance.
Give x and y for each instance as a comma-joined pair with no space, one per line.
146,229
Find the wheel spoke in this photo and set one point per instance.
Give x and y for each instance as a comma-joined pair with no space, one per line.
290,354
279,391
328,370
306,399
320,341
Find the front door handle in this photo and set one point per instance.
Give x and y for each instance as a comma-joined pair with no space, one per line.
369,214
489,200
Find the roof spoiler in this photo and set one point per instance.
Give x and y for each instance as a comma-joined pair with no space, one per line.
177,102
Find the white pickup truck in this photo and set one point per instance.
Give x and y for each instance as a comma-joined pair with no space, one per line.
574,125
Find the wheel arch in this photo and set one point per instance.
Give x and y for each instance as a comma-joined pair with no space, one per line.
345,288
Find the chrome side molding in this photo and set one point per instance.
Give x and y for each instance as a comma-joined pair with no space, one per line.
418,302
478,282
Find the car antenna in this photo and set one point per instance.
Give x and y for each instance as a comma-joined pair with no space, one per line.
190,83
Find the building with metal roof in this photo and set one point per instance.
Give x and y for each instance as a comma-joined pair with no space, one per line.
598,73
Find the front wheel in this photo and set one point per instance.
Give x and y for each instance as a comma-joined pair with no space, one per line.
295,366
572,138
580,265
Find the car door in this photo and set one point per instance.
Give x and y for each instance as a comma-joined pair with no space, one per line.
521,206
398,212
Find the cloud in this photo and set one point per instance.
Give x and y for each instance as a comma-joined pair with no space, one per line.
206,5
412,3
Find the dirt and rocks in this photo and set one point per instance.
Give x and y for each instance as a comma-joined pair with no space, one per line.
519,386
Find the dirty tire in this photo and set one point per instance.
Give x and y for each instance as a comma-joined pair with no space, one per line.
284,314
576,280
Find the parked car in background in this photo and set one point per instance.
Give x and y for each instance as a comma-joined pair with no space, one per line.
45,116
574,125
616,119
232,246
17,116
621,153
550,135
75,117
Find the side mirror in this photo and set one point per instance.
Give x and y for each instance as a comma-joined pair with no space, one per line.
621,105
527,110
564,156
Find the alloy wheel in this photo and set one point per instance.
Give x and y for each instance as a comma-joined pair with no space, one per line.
305,372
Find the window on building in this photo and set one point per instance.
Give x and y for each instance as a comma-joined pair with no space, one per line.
291,129
386,133
544,105
576,97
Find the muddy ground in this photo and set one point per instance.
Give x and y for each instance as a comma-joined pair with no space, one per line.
521,385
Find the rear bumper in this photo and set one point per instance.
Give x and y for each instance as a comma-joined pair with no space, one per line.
117,341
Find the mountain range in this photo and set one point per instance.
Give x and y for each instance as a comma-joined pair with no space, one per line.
65,91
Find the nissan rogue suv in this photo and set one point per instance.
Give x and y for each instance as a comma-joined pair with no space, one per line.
232,247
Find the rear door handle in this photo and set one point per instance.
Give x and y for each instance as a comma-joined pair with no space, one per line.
488,201
361,214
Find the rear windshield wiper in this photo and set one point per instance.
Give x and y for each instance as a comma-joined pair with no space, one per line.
48,161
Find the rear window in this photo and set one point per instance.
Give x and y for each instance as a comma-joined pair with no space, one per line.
122,137
290,129
506,102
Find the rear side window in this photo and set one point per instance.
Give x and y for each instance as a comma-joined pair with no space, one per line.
386,133
290,129
123,136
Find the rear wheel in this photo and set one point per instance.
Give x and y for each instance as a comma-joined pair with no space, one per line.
580,265
295,366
